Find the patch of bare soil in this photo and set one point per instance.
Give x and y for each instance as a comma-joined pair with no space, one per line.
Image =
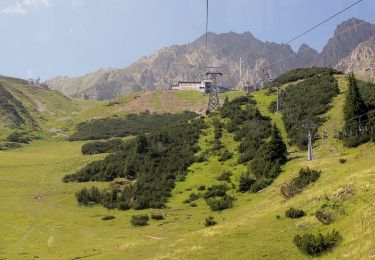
170,102
140,103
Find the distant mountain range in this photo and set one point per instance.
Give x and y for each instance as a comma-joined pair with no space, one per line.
351,48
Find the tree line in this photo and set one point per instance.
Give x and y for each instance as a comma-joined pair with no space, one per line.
132,124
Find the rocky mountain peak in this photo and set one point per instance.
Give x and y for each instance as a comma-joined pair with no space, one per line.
187,62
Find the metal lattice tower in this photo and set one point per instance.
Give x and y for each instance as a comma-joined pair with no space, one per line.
213,101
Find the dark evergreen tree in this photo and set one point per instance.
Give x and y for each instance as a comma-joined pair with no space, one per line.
355,116
354,105
277,147
142,144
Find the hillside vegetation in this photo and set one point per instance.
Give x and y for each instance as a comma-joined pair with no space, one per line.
29,112
208,210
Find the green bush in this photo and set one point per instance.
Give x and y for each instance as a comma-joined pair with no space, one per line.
102,147
218,204
342,160
210,221
304,178
193,205
245,182
20,137
139,220
225,176
225,156
201,187
317,245
123,205
157,216
108,217
194,196
216,191
328,212
88,197
261,184
294,213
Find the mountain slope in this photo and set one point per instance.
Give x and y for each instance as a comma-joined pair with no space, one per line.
186,62
31,108
31,180
346,38
361,61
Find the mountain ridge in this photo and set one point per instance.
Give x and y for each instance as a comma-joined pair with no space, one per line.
187,61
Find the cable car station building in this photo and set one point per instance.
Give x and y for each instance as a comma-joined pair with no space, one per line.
201,86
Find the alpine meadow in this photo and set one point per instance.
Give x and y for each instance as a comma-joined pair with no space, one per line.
227,147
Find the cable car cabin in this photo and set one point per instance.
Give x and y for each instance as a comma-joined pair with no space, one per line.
201,86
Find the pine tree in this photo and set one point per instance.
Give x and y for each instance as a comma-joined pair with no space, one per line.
142,144
354,115
354,105
277,147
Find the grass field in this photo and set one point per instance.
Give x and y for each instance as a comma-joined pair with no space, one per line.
40,217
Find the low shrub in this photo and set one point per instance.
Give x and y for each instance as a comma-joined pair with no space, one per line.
108,217
218,204
9,146
201,187
328,212
245,182
304,178
194,196
316,245
20,137
294,213
342,160
201,158
217,145
88,197
97,147
225,176
139,220
193,205
260,184
210,221
157,216
216,191
123,205
225,156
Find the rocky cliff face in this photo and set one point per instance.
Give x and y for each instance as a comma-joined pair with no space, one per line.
187,62
361,61
346,38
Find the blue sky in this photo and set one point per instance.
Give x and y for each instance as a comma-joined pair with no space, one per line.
48,38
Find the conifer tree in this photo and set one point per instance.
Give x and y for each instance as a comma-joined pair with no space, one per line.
354,115
142,144
277,147
354,105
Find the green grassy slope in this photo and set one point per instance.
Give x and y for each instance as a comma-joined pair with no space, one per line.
40,216
56,115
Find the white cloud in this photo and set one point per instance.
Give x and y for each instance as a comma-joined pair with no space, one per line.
21,7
